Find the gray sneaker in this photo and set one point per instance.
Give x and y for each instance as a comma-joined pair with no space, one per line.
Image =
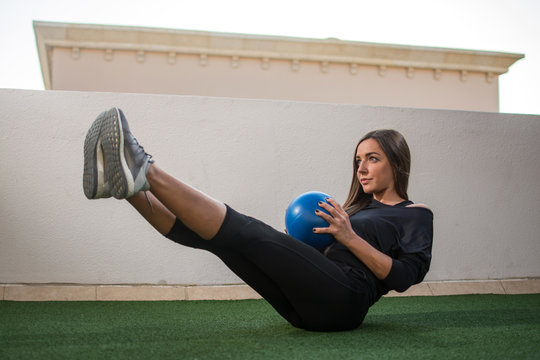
95,184
125,161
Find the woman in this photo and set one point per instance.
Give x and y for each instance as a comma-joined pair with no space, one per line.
383,241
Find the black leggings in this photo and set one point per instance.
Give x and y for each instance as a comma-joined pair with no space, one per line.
309,290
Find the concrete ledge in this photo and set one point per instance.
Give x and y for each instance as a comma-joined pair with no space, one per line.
530,286
438,288
231,292
421,289
140,293
469,287
44,292
49,292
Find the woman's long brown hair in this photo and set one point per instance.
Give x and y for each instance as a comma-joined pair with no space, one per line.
397,151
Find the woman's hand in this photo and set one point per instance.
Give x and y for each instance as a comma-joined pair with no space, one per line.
340,227
339,224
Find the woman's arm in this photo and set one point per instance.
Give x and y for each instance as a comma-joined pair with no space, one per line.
380,264
340,227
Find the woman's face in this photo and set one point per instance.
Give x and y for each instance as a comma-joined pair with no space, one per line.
374,170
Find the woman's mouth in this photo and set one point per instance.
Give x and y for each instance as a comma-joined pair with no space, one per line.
364,181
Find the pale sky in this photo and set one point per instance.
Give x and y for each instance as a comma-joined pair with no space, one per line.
492,25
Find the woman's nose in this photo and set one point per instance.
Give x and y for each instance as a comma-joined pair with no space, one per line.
361,168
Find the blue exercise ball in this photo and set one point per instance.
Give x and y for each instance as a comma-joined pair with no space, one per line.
300,219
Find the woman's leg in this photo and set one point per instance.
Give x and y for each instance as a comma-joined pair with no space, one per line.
249,272
171,199
165,222
198,211
161,218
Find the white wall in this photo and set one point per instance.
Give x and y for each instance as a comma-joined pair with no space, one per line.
478,171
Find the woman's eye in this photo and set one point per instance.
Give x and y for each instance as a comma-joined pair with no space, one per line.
373,159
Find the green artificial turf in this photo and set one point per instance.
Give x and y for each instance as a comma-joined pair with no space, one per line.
446,327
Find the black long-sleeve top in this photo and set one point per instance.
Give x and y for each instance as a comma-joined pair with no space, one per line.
403,233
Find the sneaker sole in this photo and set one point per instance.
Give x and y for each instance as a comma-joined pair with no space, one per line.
91,173
116,167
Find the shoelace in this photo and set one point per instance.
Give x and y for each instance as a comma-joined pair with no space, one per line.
136,142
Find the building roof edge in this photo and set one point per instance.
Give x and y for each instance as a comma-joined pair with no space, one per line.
113,37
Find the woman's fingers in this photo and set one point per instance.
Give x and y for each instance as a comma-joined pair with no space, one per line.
335,216
322,230
323,215
326,206
337,207
333,207
339,225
